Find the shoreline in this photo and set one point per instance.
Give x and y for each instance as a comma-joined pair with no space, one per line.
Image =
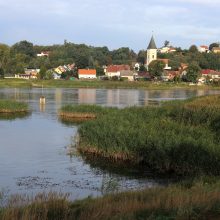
20,83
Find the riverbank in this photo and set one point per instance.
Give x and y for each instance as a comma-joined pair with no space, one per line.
20,83
11,106
189,200
179,137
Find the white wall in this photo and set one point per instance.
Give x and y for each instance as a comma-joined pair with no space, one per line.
89,76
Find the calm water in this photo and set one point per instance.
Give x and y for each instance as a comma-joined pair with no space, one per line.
34,150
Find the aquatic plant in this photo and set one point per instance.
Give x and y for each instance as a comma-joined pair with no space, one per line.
178,137
12,106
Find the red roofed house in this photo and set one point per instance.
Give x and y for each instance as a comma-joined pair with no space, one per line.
203,49
115,70
169,75
87,74
212,74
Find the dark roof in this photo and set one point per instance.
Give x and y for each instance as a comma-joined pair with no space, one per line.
152,44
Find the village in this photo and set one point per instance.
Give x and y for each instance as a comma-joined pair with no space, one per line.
135,72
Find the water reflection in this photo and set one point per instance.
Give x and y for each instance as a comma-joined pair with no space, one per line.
13,116
107,97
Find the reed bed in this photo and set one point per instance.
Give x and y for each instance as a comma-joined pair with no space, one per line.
199,200
180,137
11,106
77,112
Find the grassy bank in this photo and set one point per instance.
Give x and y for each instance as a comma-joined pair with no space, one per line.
198,200
19,83
11,106
179,137
82,112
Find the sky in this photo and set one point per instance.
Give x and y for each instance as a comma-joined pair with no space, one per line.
111,23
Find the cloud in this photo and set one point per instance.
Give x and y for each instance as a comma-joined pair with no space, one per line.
114,23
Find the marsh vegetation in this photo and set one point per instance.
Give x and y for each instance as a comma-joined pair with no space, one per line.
179,137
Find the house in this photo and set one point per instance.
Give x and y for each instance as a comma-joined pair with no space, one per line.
87,73
169,75
210,74
56,75
203,49
183,69
166,62
115,70
143,76
32,72
127,74
216,49
167,49
22,76
43,54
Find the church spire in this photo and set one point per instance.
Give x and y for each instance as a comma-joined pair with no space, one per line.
152,44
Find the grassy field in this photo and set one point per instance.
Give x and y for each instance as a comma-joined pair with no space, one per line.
20,83
189,200
11,106
180,136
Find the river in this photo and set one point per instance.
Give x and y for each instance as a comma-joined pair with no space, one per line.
34,149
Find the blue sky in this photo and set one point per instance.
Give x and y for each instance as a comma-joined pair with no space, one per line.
112,23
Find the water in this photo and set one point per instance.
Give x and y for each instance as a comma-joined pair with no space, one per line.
34,149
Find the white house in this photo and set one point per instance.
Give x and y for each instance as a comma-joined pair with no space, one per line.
87,74
115,70
203,49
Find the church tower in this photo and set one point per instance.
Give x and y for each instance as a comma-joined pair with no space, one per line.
151,52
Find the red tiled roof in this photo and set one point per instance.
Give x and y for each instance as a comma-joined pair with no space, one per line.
209,72
87,71
203,46
116,68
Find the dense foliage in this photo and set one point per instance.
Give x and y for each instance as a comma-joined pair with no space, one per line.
13,59
24,54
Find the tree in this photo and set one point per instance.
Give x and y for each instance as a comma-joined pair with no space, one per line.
213,45
193,72
142,68
166,43
193,49
82,61
42,73
48,74
156,68
1,73
100,71
174,64
142,56
24,47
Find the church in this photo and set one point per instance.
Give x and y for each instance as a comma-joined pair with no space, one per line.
151,52
152,55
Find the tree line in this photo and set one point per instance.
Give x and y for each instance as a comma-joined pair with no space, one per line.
13,59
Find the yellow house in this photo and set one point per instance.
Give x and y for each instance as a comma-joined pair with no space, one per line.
216,49
57,70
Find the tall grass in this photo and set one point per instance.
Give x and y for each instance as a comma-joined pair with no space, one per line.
178,137
11,106
197,200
